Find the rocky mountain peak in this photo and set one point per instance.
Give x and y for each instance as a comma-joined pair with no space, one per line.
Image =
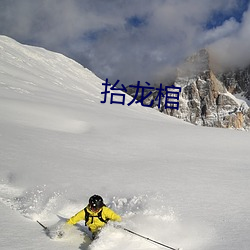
195,64
207,98
237,81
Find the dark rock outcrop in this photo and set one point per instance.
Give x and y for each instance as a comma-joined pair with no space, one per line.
207,98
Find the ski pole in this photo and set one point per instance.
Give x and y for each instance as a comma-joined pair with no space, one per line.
45,228
146,238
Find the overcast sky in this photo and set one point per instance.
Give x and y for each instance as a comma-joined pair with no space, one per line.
131,40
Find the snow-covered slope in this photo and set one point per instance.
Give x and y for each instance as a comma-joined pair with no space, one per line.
176,183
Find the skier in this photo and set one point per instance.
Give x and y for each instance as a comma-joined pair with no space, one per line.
95,214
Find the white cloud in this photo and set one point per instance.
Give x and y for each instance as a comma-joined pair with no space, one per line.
99,33
228,28
233,50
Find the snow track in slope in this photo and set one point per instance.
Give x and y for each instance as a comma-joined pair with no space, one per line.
147,215
32,204
42,116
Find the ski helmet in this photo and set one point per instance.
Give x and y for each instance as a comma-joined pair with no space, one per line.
95,202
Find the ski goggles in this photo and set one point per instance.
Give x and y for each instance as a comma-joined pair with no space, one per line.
94,208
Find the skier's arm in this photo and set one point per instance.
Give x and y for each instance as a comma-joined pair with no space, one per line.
110,214
77,217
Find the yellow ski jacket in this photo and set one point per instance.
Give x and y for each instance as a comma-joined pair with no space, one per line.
94,223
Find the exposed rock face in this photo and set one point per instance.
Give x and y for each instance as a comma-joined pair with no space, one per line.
205,100
237,81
